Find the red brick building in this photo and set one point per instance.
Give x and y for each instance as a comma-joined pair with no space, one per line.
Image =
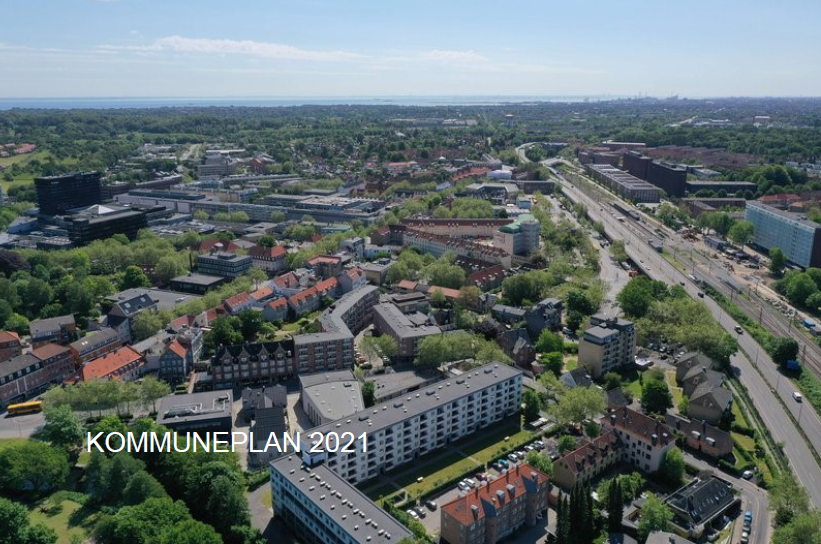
10,345
28,374
495,509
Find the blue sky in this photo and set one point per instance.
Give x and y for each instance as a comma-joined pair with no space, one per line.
298,48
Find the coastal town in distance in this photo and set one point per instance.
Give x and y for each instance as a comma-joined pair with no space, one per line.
504,298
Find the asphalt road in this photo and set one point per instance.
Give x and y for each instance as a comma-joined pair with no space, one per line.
20,426
772,411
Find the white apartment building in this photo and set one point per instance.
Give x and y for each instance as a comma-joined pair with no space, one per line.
407,427
322,508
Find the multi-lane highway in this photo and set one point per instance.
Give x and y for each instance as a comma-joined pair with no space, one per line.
772,411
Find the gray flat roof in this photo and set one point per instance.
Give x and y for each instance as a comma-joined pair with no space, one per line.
794,217
199,279
336,399
338,500
310,380
388,384
600,332
443,392
195,407
401,324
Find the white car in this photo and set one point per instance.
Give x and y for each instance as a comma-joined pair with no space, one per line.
471,482
463,486
412,513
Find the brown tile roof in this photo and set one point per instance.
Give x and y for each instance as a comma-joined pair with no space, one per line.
48,351
278,303
592,453
639,425
267,252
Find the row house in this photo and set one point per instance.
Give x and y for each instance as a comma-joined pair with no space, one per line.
276,310
238,303
258,363
627,436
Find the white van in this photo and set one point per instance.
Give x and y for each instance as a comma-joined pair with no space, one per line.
797,396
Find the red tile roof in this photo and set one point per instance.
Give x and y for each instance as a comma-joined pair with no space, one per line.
300,298
327,285
287,281
238,300
183,321
278,303
461,509
9,336
267,252
178,349
260,294
104,366
328,259
779,197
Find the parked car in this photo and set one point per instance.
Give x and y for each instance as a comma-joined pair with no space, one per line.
748,515
512,457
747,474
745,537
431,505
420,511
504,463
412,513
471,482
481,477
539,445
529,448
463,486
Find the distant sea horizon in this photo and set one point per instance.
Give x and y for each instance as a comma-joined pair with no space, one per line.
204,102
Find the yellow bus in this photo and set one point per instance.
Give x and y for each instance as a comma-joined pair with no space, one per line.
31,407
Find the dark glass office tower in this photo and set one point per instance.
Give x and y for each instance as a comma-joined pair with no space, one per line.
57,194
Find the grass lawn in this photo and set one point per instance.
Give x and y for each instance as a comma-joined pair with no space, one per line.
66,516
473,453
496,448
744,441
678,394
9,441
633,386
738,415
570,363
461,466
380,491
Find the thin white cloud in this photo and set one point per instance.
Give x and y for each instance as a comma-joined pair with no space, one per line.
248,48
446,55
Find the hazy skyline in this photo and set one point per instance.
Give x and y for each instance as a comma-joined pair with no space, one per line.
146,48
